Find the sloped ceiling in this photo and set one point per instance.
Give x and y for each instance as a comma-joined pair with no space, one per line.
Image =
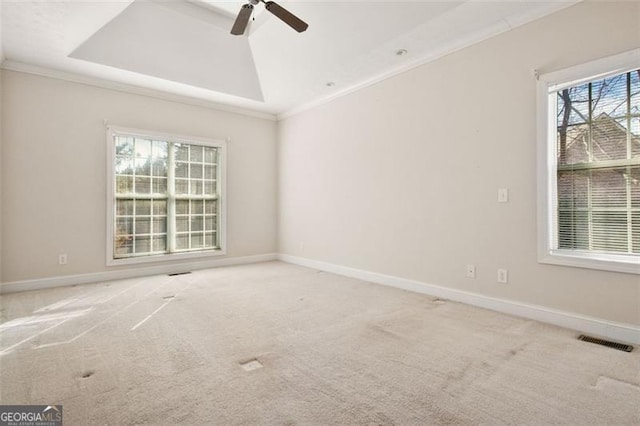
184,48
187,44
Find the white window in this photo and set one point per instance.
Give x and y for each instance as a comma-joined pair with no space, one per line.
589,165
165,196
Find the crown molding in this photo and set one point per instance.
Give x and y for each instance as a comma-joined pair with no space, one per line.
476,37
16,66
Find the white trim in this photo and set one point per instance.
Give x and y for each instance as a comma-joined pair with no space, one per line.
549,83
131,272
221,180
609,329
10,65
599,68
481,35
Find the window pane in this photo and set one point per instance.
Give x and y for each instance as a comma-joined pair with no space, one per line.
143,148
124,146
209,207
209,187
160,208
182,206
159,225
197,207
573,144
182,170
197,241
635,231
210,155
634,187
143,167
609,188
609,231
143,207
573,188
573,230
608,139
159,243
210,239
143,225
182,224
124,184
196,187
196,153
124,207
609,97
196,171
124,166
159,186
209,172
160,149
123,244
124,226
210,223
182,186
182,241
143,185
159,167
635,92
197,223
635,137
182,152
573,105
142,244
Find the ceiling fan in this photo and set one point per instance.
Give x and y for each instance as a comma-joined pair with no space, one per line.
240,25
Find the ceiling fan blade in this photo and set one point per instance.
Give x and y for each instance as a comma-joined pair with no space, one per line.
242,20
286,16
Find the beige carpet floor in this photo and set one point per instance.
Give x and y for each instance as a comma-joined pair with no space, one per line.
331,350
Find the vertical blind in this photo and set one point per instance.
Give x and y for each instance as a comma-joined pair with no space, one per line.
598,167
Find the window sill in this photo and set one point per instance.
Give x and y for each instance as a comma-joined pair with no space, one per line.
616,263
165,257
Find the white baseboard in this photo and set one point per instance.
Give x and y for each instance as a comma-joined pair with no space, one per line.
131,272
595,326
607,329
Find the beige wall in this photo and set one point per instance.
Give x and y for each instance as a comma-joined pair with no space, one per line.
401,178
1,156
55,171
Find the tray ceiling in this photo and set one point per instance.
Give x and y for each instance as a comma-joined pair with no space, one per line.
184,47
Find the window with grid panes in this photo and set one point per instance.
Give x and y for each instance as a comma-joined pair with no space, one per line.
167,195
595,198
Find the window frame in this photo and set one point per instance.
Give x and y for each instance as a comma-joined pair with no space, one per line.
547,164
220,144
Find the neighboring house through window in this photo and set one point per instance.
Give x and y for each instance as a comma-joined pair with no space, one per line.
166,196
589,163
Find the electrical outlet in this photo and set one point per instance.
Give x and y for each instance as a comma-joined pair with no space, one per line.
62,259
503,276
503,195
471,271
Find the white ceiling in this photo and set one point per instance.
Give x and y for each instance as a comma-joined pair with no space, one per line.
184,48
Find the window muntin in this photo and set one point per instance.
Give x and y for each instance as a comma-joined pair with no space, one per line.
598,165
166,196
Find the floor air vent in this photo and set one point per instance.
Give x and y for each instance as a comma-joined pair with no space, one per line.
614,345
